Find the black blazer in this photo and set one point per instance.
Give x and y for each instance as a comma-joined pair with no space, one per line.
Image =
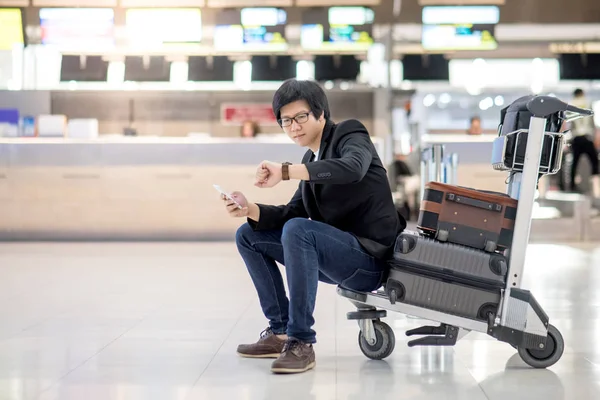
348,189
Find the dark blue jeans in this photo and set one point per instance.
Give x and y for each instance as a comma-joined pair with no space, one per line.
311,252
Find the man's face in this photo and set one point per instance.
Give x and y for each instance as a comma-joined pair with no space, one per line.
301,125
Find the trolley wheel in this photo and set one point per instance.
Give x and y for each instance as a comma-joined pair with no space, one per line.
548,356
384,344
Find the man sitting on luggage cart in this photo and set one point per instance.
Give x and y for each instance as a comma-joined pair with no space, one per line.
339,227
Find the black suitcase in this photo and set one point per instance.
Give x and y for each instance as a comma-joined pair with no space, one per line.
446,277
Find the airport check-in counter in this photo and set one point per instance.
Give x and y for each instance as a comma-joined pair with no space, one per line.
133,188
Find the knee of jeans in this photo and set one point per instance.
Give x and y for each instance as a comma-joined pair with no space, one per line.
295,227
243,234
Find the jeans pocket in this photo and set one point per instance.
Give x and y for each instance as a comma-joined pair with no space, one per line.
363,281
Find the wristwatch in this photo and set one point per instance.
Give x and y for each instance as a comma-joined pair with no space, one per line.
285,171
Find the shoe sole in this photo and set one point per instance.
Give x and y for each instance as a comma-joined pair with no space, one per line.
293,371
273,355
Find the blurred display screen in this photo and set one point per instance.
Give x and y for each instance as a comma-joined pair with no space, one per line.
267,68
153,69
341,16
157,27
78,28
346,68
460,27
260,28
11,28
95,69
200,69
346,28
579,66
263,17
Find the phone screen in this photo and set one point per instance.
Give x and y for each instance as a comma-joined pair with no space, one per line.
218,188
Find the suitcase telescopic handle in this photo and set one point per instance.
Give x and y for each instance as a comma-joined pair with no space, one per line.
486,205
544,106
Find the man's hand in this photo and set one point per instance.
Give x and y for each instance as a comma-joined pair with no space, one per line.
249,210
232,208
268,174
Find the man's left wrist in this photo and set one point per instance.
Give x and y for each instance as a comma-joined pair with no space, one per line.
285,171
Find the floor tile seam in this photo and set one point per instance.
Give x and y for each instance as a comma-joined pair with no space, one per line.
464,365
66,310
81,364
40,322
219,349
591,362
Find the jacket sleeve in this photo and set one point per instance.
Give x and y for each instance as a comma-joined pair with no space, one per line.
274,217
355,150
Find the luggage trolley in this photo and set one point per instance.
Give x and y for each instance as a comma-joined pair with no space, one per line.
516,318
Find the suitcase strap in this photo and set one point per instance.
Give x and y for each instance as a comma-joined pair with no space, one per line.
474,202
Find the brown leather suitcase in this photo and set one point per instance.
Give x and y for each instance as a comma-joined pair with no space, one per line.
479,219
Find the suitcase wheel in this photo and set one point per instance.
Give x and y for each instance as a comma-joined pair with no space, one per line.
487,311
549,354
442,235
384,343
490,246
408,244
498,266
395,291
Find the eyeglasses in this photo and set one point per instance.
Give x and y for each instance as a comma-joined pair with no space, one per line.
300,119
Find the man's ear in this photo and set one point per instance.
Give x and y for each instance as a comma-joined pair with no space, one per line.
322,116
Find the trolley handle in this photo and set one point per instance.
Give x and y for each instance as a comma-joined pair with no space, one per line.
582,111
544,106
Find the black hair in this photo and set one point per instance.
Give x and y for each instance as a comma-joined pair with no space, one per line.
475,118
293,90
578,92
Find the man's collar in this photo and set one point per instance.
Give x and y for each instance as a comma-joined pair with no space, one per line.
326,132
325,136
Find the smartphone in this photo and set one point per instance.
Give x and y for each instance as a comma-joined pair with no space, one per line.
227,195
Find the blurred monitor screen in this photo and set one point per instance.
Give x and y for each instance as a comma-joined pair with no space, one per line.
341,16
261,28
151,69
331,68
429,67
342,28
267,16
78,28
157,27
11,28
86,69
267,68
579,66
201,70
459,27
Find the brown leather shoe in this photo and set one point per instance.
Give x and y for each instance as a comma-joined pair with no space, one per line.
268,346
296,357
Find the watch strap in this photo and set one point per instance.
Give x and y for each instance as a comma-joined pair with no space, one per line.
285,171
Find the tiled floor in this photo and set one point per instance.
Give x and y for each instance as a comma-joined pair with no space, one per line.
162,321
